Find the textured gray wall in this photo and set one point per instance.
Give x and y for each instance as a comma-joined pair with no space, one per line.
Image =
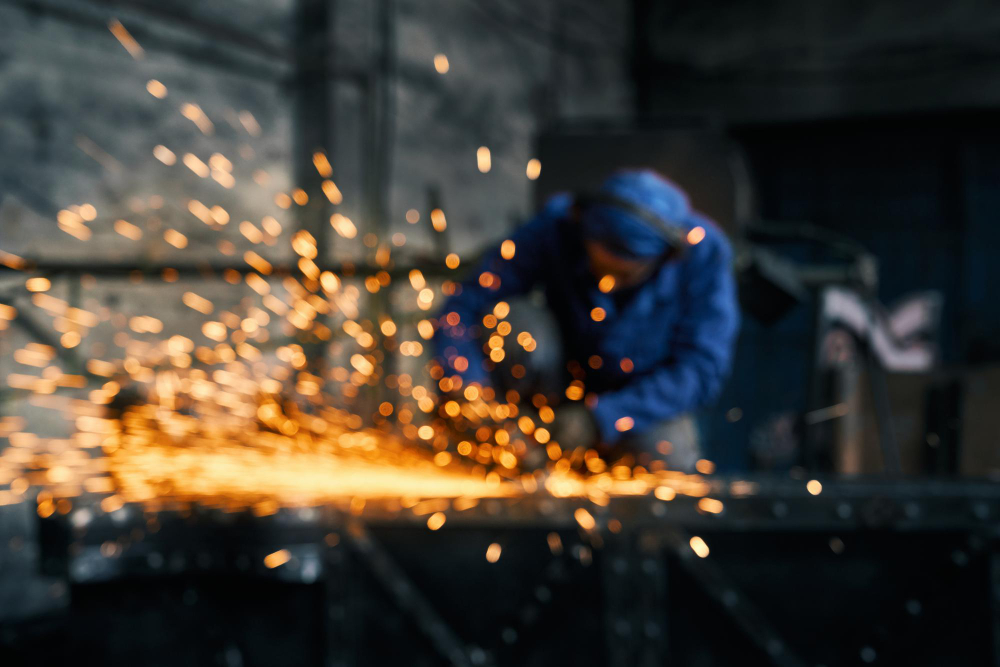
77,126
68,88
70,93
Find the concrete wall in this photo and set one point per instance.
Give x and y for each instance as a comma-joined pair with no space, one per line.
78,126
509,74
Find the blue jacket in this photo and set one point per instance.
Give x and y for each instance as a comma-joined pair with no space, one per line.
677,328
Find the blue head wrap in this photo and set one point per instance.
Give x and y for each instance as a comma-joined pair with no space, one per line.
625,233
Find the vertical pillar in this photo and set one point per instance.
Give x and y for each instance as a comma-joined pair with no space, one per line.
311,131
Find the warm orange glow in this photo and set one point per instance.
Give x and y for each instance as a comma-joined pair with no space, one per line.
194,113
156,89
441,63
664,493
534,169
128,230
710,505
705,467
699,547
192,162
270,225
425,329
277,558
332,192
38,284
322,164
219,162
227,404
11,260
436,520
214,330
343,226
201,304
87,212
70,339
258,263
164,155
483,159
624,424
598,314
249,123
585,519
438,221
126,39
175,238
696,235
417,279
329,282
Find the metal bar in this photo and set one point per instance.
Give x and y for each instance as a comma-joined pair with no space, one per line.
266,61
384,118
408,597
312,113
717,584
206,52
621,626
209,269
814,445
883,414
339,600
653,598
380,100
311,134
211,30
994,566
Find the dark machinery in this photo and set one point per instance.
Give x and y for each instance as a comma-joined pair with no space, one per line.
862,573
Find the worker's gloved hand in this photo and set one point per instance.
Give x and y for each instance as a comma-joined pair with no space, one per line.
574,426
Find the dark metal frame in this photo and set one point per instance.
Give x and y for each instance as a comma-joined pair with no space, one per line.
633,558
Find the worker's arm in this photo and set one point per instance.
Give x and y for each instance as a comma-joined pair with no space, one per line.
506,278
702,344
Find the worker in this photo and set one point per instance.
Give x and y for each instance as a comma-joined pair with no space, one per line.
642,295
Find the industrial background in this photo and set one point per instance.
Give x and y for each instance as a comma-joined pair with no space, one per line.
849,151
